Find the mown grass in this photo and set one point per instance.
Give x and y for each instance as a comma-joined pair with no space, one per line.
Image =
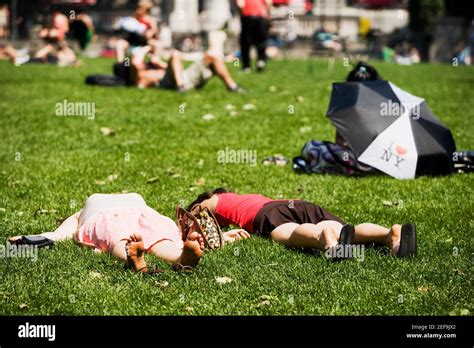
54,163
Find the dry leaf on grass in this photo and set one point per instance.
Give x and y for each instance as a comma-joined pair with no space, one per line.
223,280
249,107
106,131
208,117
46,211
201,181
305,129
162,284
153,180
94,274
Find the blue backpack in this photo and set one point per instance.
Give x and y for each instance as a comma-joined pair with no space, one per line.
324,157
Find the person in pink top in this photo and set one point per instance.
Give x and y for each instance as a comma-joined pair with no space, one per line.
300,224
254,15
127,228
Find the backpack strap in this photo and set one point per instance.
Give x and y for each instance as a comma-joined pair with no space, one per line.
330,147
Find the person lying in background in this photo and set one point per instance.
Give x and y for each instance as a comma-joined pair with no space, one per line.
8,52
172,75
60,54
301,224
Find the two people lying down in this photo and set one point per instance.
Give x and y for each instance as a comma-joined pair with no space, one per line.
124,226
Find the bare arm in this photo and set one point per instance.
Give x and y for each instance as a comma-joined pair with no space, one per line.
269,4
65,231
235,235
240,4
139,57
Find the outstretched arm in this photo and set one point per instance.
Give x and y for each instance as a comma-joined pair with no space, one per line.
235,235
65,231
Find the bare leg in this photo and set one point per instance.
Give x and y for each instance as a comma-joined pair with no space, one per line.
9,52
42,53
176,67
65,231
121,47
372,233
326,234
187,255
66,56
322,235
133,251
119,250
167,251
147,78
220,69
192,250
43,33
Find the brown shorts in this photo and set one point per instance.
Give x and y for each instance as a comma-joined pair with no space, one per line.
277,213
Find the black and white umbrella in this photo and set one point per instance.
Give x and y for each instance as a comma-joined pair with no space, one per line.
390,129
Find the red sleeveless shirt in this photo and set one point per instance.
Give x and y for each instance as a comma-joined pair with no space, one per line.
238,209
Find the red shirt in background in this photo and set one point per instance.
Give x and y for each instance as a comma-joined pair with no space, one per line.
254,8
238,209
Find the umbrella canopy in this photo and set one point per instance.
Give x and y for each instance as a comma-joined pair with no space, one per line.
390,129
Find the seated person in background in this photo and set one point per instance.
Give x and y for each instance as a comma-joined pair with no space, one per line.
8,52
362,72
82,28
60,54
172,75
141,30
58,29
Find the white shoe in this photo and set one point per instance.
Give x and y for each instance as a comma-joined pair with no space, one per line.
21,60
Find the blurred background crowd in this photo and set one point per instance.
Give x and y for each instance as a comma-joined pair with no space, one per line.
399,31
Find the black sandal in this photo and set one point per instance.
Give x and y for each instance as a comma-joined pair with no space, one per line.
38,241
346,238
347,235
408,245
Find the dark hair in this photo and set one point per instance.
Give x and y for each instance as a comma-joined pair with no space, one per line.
363,72
206,195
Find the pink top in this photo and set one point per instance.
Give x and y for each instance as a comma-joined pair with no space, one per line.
106,228
238,209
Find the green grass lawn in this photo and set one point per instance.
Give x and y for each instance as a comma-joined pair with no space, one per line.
53,163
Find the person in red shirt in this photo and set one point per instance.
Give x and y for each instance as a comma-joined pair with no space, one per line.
254,14
300,224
